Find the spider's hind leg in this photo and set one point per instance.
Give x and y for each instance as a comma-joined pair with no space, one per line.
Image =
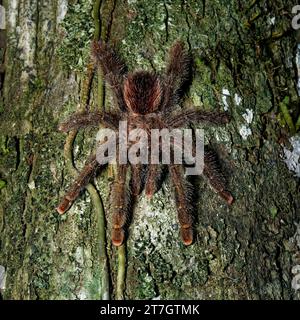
183,198
154,179
121,204
137,178
215,177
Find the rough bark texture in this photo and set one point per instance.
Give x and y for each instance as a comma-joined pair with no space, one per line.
245,60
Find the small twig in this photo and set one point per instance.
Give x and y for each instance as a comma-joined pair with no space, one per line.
97,35
298,124
98,205
91,189
87,85
100,88
121,272
97,20
68,152
286,114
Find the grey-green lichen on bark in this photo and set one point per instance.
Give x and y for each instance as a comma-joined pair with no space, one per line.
244,61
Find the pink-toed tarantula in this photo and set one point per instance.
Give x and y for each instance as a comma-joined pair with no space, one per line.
145,100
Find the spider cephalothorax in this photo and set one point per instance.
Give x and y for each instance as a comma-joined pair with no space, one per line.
146,101
142,92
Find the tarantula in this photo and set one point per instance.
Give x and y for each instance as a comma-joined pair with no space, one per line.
145,100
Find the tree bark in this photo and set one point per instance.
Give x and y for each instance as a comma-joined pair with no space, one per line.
244,62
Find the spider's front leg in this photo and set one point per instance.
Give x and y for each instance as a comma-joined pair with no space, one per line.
216,179
178,71
82,180
121,198
82,120
183,197
186,117
114,69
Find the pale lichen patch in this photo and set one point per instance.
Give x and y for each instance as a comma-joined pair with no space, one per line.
2,18
237,99
271,20
12,13
31,185
225,94
27,46
2,278
296,278
295,240
291,157
245,132
248,116
62,8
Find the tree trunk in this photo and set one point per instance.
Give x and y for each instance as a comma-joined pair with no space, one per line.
244,62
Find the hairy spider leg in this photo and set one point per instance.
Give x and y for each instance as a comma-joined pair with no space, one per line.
211,168
86,119
183,197
114,69
153,178
81,181
215,177
187,117
177,73
121,199
137,178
